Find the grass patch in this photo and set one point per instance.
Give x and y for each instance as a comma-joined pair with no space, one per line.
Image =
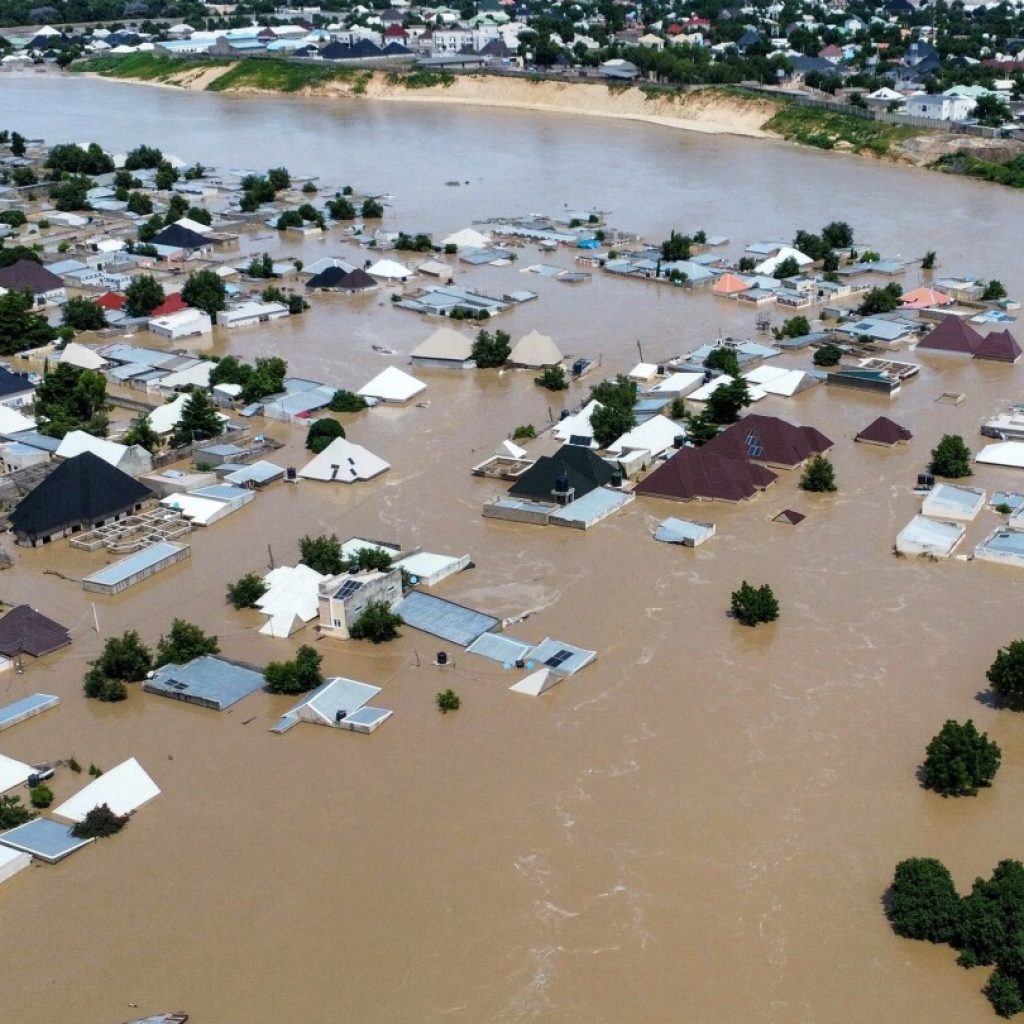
278,76
420,79
1010,173
145,66
826,129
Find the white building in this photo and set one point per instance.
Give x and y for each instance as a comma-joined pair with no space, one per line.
940,108
186,323
248,313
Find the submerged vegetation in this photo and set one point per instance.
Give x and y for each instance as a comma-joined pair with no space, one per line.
828,129
1010,173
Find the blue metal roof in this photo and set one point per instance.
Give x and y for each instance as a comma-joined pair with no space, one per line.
44,838
26,708
444,619
210,681
147,558
504,649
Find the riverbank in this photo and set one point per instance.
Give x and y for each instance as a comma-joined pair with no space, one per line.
714,110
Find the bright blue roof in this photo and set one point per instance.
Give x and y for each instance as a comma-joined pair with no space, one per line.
44,838
26,708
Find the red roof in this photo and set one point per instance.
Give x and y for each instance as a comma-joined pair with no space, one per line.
674,29
952,335
698,473
174,303
999,346
395,32
769,439
884,431
110,300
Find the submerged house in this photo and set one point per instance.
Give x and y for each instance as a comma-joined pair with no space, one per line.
343,598
770,440
445,349
23,630
884,431
80,494
700,474
573,471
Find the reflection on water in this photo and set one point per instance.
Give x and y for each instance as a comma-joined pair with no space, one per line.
700,826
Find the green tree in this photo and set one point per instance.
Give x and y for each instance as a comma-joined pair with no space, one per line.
124,659
726,401
448,700
341,209
960,760
377,623
751,605
321,433
819,476
289,219
199,421
796,327
299,675
17,144
279,178
99,823
373,558
346,401
951,457
143,295
991,111
490,350
165,176
924,903
828,355
70,398
143,158
82,314
675,247
700,429
372,209
21,327
41,795
13,218
152,227
13,813
322,554
881,300
724,360
267,378
787,268
1005,993
177,207
838,234
246,591
204,290
610,422
184,643
141,432
71,193
993,290
139,203
928,261
553,379
1006,674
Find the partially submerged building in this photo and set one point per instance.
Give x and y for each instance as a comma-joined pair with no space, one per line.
698,474
1003,546
124,789
770,440
338,703
949,501
929,537
568,474
23,630
344,462
535,351
393,386
885,432
445,349
208,681
80,494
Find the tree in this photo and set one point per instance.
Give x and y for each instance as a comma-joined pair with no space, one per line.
267,378
177,207
279,178
165,176
141,432
924,903
1005,993
675,247
289,219
1006,674
246,591
143,295
99,823
341,209
71,193
70,398
377,623
838,234
751,605
21,327
819,476
610,422
375,558
490,350
13,218
321,433
149,230
724,360
993,290
346,401
811,245
881,300
17,144
199,421
204,290
951,457
787,268
795,327
41,795
143,158
322,554
553,379
199,215
184,643
828,355
372,209
928,262
700,429
83,314
13,813
124,659
991,111
139,203
960,760
726,401
448,700
299,675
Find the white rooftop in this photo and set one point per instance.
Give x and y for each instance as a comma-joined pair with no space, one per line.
344,461
392,385
123,789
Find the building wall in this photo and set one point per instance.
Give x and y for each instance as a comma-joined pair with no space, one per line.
336,616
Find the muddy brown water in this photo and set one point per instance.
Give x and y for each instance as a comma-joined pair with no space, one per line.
700,826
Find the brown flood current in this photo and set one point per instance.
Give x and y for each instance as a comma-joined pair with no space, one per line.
699,827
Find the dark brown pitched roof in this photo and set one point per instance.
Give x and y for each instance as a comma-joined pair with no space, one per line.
1000,347
81,491
769,439
25,631
884,431
788,516
699,473
952,335
27,275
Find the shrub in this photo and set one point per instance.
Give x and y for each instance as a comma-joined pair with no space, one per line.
1006,674
246,591
960,760
299,675
13,813
94,771
99,823
951,457
346,401
41,795
924,902
993,290
490,350
124,659
321,433
819,476
377,623
828,355
524,432
448,700
74,766
751,605
553,379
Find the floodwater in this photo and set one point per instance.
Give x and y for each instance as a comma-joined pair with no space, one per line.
699,827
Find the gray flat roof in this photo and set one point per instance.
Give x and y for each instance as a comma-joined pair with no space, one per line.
44,838
116,572
444,619
26,708
504,649
593,506
208,681
563,659
1005,542
675,531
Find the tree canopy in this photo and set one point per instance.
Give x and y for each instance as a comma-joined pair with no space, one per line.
951,457
1006,674
819,475
960,760
199,421
143,295
82,314
724,360
183,643
752,605
21,327
322,554
377,623
70,398
726,401
124,659
246,591
141,432
321,433
204,290
491,350
299,675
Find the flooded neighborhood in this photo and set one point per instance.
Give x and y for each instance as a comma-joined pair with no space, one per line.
689,819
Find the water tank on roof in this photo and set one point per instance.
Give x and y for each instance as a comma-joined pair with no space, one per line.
340,716
616,480
564,414
925,481
707,376
290,475
679,441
